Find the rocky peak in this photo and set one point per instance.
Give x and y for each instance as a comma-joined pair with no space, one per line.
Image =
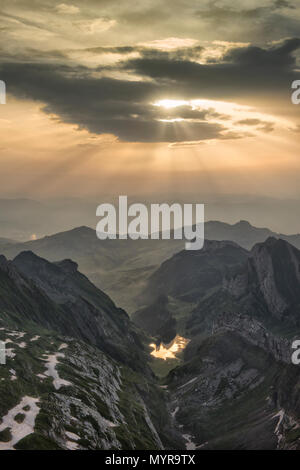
68,266
255,333
3,263
274,267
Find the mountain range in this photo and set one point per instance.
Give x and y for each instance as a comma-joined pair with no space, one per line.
236,387
79,369
122,267
76,372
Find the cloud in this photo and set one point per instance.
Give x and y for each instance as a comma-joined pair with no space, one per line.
264,126
242,70
104,106
125,108
95,26
169,44
67,9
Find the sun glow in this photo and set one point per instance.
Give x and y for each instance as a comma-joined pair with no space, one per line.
168,104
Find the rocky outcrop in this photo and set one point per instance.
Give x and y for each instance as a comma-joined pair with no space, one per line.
255,333
58,296
86,400
189,275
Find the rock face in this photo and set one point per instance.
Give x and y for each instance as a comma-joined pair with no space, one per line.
189,275
78,359
276,265
265,287
237,387
80,309
157,320
229,395
83,400
254,333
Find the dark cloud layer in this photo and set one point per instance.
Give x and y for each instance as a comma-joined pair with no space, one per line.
125,108
242,70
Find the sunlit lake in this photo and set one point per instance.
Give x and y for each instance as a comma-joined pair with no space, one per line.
169,351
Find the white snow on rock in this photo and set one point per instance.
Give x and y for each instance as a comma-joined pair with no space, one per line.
22,345
19,430
13,374
35,338
52,361
71,445
41,376
189,382
10,353
62,346
17,334
190,445
72,436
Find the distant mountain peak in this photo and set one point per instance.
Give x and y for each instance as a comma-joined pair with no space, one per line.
82,229
243,223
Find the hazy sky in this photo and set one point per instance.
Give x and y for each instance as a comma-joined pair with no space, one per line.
149,96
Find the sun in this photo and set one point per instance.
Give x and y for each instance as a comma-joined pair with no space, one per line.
168,104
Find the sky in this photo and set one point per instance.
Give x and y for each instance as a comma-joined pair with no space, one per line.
148,97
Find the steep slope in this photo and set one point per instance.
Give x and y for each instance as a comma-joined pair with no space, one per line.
185,279
189,275
231,391
226,396
266,287
157,320
274,272
60,393
76,373
237,387
58,297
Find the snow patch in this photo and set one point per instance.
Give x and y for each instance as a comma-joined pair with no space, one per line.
19,430
71,445
187,383
190,445
35,338
10,353
52,361
72,436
